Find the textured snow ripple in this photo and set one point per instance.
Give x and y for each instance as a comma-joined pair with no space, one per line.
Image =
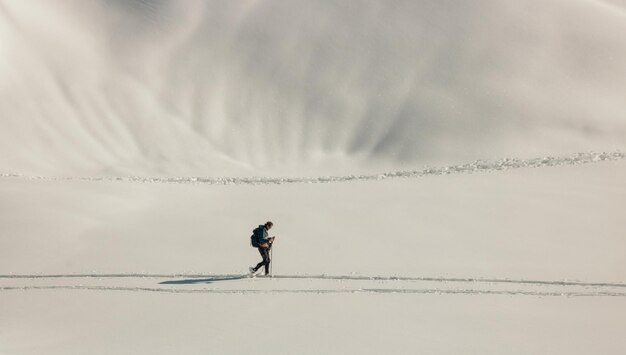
474,167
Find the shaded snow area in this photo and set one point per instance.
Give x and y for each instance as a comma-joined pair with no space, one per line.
443,177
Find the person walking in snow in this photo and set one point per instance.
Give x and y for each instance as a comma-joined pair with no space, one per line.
262,241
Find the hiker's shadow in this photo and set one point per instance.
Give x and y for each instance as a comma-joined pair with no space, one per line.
204,280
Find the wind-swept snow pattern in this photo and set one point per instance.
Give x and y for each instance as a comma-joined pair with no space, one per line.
196,88
475,167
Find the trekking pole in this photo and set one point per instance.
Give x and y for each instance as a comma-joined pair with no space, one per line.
272,260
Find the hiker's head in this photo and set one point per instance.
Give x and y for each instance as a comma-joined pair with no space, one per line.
269,225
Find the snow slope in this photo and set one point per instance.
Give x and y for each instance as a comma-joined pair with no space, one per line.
444,177
247,87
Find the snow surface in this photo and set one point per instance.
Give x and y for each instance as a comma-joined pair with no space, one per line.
444,177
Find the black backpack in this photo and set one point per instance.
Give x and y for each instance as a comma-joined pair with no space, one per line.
256,236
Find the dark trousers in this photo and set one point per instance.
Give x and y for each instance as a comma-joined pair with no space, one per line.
265,253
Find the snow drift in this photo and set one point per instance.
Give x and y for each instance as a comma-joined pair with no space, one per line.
220,87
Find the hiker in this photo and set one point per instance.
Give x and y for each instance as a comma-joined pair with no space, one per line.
263,242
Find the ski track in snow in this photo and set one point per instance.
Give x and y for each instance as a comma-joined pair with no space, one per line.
323,277
475,167
324,291
563,288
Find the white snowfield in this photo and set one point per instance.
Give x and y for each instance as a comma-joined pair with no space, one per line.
443,177
519,261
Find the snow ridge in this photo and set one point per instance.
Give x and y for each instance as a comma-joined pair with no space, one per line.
477,166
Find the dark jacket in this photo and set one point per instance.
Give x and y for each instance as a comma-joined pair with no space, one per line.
262,235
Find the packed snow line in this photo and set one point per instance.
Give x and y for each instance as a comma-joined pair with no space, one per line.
210,277
323,291
477,166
